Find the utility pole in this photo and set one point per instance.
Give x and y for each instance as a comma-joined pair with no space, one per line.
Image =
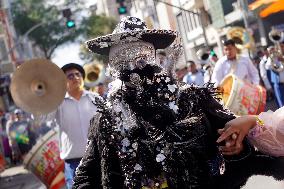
244,8
191,12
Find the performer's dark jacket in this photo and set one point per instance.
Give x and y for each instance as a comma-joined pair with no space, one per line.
192,160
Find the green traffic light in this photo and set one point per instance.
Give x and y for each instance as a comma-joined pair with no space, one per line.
122,10
70,24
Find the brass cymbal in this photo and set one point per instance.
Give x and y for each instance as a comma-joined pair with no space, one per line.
38,86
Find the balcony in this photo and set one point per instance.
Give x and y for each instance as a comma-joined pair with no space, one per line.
192,4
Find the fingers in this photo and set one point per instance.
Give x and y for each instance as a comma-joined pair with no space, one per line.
240,139
231,153
220,131
226,133
230,142
234,136
232,150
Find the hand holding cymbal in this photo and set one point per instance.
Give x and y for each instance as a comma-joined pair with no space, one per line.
38,86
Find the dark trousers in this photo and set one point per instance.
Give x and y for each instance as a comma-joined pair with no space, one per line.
70,166
279,93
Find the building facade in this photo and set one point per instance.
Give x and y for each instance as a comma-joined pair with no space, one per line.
110,8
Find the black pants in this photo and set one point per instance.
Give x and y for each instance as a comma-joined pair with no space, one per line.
237,173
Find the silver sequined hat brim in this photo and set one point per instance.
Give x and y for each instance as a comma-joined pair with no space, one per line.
159,38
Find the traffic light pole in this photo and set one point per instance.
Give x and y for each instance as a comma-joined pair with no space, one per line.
192,12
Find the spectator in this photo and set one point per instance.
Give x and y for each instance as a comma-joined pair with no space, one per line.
73,117
194,76
22,136
101,90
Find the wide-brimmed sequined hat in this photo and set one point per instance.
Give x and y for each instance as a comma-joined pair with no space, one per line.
131,29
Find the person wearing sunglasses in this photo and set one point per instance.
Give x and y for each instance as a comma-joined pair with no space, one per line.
73,117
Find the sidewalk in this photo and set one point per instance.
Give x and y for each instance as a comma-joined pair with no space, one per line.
19,178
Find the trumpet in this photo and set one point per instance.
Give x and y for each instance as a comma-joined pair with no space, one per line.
275,52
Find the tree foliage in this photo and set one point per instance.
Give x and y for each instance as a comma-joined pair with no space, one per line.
51,34
94,26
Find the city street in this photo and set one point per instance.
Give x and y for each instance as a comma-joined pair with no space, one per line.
19,178
142,94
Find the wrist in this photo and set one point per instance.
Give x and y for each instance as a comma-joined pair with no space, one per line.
252,120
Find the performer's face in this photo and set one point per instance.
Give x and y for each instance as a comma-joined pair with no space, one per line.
230,51
130,56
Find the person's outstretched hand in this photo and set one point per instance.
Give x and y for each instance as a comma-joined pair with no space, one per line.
237,128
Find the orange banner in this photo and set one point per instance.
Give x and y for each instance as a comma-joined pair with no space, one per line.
273,6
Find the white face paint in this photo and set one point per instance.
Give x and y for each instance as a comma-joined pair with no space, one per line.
131,55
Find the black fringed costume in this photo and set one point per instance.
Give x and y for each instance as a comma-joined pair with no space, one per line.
183,138
154,132
184,141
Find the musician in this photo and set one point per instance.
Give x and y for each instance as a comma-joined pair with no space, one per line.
73,117
277,78
231,63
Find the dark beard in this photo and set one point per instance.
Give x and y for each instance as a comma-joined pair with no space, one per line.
151,99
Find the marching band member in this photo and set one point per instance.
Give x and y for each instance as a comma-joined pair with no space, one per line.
277,78
240,66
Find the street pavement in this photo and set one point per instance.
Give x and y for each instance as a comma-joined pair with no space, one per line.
19,178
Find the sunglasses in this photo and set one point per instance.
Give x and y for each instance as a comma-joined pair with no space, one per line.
72,76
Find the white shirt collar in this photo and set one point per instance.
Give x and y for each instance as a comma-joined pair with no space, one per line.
85,93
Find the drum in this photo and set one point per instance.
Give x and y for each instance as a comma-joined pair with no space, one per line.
241,97
44,161
2,162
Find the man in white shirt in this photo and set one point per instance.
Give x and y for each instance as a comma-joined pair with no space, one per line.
242,67
73,117
193,76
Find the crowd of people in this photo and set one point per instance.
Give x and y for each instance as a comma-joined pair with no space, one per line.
19,134
153,129
257,71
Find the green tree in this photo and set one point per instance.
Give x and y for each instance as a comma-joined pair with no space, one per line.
53,32
94,26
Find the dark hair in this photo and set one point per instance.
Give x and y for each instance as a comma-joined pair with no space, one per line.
162,53
70,66
229,42
190,62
